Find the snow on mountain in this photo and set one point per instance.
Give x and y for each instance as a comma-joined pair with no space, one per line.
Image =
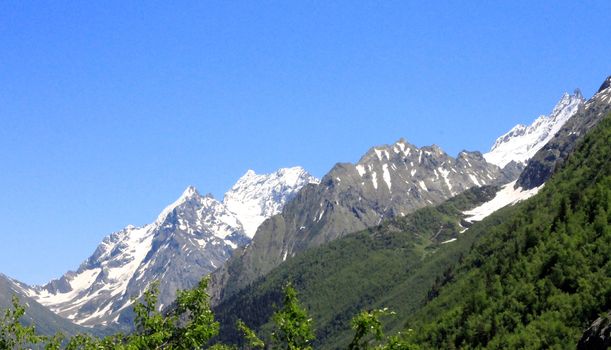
507,195
388,181
255,198
103,276
522,142
189,239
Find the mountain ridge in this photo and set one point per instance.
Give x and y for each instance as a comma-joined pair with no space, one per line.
522,142
388,181
201,232
189,238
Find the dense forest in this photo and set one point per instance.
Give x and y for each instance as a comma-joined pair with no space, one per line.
539,278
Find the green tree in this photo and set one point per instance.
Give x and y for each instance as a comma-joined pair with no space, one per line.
189,325
368,330
293,324
252,340
195,306
13,335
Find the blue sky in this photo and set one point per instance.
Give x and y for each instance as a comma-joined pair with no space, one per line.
109,110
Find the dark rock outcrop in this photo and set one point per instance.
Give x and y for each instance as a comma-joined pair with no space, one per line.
598,336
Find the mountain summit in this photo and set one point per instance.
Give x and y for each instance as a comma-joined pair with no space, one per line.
255,198
522,142
189,239
388,181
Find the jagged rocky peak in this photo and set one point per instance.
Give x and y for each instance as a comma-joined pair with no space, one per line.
541,166
256,197
428,173
190,238
522,142
387,181
605,85
188,194
384,153
603,95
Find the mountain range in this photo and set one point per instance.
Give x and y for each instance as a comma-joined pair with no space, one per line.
427,265
265,221
388,181
189,239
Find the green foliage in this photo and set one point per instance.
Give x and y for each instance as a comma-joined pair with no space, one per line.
201,327
368,333
537,279
153,330
392,265
293,325
190,324
252,340
13,335
365,323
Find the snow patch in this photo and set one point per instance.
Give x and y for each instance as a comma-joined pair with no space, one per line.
522,142
360,169
386,176
505,196
374,179
255,198
423,185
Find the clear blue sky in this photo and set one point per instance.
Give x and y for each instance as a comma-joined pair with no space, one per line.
109,110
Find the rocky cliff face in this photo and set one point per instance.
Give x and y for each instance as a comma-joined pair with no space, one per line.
541,166
388,181
190,238
598,336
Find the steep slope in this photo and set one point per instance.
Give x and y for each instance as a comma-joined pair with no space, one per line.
507,195
45,321
522,142
562,235
189,239
541,276
355,272
388,181
543,163
255,198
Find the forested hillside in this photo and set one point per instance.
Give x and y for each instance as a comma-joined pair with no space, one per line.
393,265
539,278
535,274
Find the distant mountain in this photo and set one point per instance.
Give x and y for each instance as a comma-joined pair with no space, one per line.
255,198
541,166
571,119
290,211
190,238
360,271
388,181
45,321
532,273
522,142
538,275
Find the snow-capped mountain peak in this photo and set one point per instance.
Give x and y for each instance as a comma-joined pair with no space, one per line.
255,197
189,193
190,238
522,142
